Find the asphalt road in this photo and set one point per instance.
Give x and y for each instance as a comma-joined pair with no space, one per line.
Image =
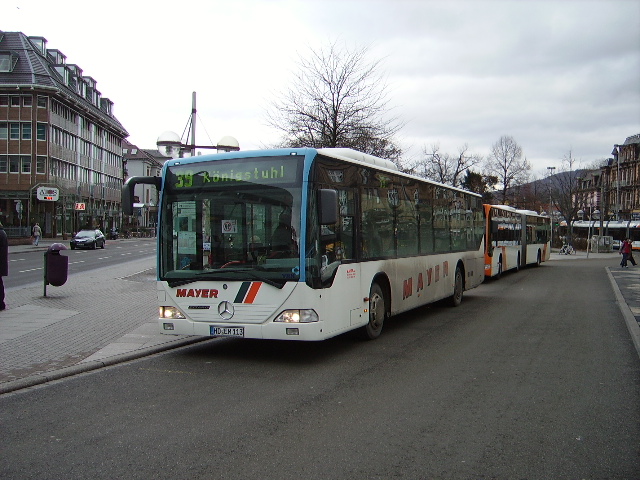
532,377
26,267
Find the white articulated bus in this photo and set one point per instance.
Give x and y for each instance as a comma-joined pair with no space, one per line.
305,244
514,238
619,230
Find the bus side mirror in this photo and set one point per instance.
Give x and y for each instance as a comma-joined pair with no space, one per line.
328,204
129,187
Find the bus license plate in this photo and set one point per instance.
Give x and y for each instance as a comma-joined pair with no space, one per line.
226,331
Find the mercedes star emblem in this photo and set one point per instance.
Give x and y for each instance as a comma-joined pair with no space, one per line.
226,310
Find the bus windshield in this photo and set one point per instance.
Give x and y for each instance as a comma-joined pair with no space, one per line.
230,220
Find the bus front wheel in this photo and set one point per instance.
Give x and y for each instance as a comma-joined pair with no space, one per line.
377,313
458,289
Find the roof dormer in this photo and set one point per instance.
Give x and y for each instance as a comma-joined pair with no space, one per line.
40,43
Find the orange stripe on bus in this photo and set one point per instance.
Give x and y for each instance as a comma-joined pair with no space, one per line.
253,291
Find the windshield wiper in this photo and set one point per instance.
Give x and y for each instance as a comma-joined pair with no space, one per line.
179,282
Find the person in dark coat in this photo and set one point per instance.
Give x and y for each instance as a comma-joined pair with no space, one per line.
4,263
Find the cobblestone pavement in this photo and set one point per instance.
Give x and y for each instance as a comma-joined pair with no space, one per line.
109,315
95,319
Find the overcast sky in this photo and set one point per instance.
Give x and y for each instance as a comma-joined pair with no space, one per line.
554,75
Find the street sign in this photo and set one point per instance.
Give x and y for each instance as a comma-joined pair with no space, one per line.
80,206
47,194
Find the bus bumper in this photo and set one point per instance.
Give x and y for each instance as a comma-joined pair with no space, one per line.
268,331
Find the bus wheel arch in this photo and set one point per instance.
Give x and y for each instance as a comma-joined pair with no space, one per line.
458,285
379,307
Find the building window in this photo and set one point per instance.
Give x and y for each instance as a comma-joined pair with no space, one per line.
3,163
41,162
14,131
41,132
25,160
4,131
42,101
14,164
15,101
27,101
8,61
26,131
4,100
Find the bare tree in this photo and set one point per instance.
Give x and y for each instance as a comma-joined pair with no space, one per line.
443,167
565,192
506,163
337,99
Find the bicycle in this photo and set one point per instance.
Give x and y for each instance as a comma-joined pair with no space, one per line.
567,249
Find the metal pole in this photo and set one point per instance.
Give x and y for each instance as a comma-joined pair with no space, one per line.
550,169
589,234
193,124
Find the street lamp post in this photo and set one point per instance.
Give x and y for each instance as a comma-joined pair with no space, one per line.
170,144
550,209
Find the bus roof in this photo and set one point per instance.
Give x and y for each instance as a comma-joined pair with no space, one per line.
517,210
345,154
351,154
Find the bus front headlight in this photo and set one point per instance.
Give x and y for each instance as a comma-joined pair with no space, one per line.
297,316
170,312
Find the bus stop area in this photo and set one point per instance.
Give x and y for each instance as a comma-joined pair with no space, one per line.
108,316
97,318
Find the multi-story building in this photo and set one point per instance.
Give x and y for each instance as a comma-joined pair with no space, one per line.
622,179
614,188
61,159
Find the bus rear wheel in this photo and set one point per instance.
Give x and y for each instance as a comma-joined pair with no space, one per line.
377,313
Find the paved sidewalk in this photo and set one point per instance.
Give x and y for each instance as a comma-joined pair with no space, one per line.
98,318
109,315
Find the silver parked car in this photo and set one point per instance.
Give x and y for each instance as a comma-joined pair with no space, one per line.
88,239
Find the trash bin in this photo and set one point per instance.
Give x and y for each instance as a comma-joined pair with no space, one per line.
56,266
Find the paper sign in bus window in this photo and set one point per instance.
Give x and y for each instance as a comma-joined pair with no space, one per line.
229,226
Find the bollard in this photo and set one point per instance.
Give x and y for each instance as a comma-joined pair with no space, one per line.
56,266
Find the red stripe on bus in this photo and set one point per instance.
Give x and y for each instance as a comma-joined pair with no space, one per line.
253,291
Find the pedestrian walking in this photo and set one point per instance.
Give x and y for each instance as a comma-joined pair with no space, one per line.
37,233
631,259
625,251
4,263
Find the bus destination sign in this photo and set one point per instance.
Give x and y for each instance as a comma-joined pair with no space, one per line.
266,171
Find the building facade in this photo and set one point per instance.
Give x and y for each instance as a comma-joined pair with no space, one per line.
622,179
142,163
61,159
614,189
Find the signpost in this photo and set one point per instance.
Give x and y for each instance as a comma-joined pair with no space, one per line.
48,194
